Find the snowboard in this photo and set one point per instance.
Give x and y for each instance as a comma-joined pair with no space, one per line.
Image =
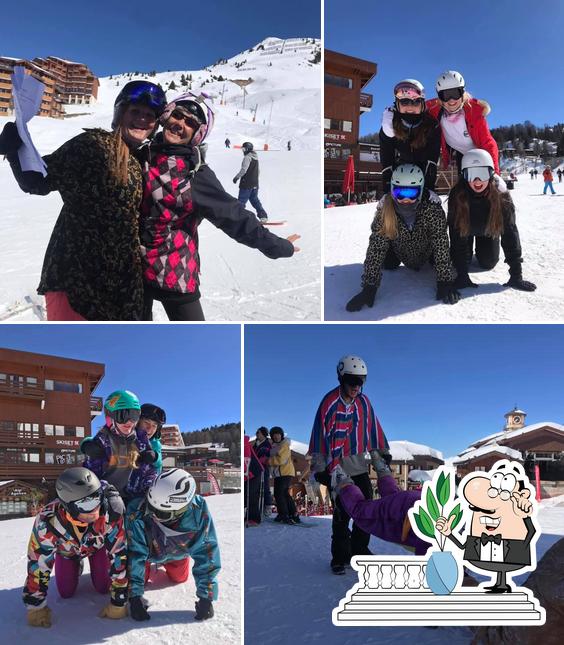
278,223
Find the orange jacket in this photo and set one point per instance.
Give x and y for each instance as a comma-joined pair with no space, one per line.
547,175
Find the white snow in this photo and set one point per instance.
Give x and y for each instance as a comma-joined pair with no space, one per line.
484,450
298,446
172,606
509,434
407,450
237,283
409,296
290,590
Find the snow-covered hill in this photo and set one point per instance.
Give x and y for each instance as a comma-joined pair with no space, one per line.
290,590
75,620
283,103
409,296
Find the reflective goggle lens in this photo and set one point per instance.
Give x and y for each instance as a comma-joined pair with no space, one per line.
483,173
406,102
406,192
454,93
90,503
123,416
351,379
165,516
149,94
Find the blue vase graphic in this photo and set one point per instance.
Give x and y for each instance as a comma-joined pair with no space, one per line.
442,572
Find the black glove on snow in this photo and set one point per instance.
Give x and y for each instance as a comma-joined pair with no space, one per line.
115,502
323,478
463,281
204,609
93,449
148,457
518,283
138,608
10,140
446,291
365,297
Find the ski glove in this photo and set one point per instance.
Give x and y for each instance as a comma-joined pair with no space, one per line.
520,284
365,297
323,478
148,457
92,449
463,281
39,617
446,291
138,608
113,611
10,140
235,180
433,197
204,609
115,502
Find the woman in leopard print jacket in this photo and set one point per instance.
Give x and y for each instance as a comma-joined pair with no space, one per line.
409,228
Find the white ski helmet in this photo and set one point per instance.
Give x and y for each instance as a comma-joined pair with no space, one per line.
475,158
171,493
449,80
352,365
408,174
409,88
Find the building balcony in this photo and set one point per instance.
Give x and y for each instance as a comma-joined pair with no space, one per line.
96,406
19,390
365,102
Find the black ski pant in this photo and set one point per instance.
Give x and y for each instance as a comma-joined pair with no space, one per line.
284,501
346,543
178,306
252,498
487,251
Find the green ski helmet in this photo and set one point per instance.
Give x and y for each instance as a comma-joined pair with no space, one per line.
123,406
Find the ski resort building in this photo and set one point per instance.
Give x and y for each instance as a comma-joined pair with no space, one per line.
408,456
538,444
345,101
46,409
76,83
171,435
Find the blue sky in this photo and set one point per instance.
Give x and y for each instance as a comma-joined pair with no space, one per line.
509,51
192,371
114,37
441,385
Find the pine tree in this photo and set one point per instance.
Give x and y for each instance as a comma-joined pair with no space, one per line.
172,85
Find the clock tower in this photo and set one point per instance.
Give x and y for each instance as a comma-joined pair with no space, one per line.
514,420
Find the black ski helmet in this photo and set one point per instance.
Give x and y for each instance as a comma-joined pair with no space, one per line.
276,430
154,413
247,147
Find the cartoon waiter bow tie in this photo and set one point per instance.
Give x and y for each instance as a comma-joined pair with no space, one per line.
485,538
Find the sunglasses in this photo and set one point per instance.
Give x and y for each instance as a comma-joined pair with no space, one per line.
87,504
406,102
354,381
483,173
189,120
123,416
454,93
406,192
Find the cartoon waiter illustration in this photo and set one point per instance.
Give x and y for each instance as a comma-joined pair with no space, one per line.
502,528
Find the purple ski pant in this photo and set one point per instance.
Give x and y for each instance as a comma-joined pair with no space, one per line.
384,517
67,573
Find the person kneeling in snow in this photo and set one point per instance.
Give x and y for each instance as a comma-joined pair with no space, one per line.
84,521
411,228
166,527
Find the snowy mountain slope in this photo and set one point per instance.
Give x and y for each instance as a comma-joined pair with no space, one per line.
409,296
75,620
238,283
290,591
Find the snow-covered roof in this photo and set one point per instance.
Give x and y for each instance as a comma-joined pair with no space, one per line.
407,451
509,434
8,481
484,450
299,447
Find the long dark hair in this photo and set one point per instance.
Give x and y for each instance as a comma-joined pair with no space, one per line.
460,196
421,132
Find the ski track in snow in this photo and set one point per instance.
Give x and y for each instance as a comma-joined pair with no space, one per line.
407,296
290,590
237,283
75,620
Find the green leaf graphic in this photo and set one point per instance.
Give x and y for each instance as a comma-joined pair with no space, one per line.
432,506
443,492
420,526
427,523
458,513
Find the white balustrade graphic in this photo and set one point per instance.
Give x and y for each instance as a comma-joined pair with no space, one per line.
392,590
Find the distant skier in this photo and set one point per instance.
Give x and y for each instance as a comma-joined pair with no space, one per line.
532,173
84,521
167,527
289,145
559,173
548,179
227,143
536,173
249,180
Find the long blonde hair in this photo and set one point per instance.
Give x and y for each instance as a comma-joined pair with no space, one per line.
120,158
389,226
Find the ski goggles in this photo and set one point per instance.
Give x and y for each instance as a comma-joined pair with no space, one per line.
148,94
452,94
190,120
166,516
127,415
406,192
482,173
406,102
353,381
86,504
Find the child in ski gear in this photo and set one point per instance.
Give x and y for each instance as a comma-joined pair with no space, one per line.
262,449
462,120
151,422
120,454
92,266
254,472
84,521
168,525
283,470
548,179
411,228
477,209
249,183
180,190
344,430
409,134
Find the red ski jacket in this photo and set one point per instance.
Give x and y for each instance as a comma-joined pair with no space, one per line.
475,112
